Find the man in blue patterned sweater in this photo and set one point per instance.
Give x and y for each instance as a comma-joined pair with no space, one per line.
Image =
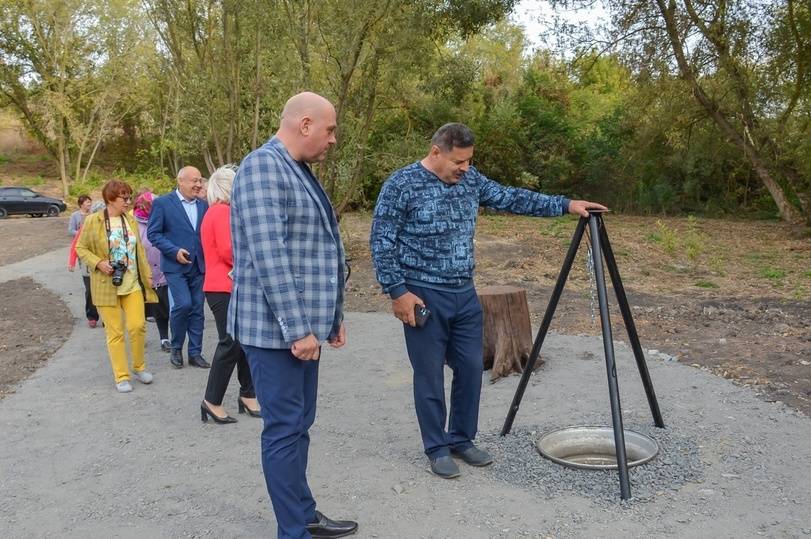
422,248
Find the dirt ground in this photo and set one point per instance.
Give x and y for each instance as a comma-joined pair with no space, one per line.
34,323
731,297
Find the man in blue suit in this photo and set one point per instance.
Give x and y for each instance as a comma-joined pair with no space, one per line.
288,299
174,228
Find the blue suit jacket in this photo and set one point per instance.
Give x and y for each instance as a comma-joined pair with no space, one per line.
288,255
169,230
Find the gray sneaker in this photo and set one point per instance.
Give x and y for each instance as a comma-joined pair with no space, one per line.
145,377
124,386
445,467
474,456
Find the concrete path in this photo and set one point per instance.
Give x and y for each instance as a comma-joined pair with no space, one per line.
79,460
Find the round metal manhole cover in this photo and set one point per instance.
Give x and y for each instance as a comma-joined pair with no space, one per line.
592,448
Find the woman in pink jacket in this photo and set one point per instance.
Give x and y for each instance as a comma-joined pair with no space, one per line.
160,310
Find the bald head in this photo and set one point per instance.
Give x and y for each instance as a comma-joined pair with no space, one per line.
189,182
307,127
305,104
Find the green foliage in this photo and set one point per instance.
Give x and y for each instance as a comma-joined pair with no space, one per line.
694,240
717,264
164,83
151,179
30,181
665,237
772,273
692,243
4,159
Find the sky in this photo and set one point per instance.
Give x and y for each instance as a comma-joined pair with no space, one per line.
536,17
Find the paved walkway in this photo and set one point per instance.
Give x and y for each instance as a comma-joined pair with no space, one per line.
79,460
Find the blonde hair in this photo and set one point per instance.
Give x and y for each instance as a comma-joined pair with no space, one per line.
220,183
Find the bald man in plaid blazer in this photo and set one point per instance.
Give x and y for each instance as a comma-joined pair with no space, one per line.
288,299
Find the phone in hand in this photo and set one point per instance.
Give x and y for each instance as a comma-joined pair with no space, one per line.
421,314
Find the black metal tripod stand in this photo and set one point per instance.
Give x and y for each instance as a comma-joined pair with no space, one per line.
601,247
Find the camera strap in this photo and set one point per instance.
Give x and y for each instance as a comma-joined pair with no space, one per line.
123,231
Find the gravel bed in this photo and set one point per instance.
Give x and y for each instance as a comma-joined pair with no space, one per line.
518,462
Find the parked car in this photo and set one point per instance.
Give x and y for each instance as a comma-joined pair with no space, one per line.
22,200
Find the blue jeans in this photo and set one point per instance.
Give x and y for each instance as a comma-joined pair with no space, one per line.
286,388
452,334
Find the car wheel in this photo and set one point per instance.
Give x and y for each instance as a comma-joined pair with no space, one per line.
53,211
3,213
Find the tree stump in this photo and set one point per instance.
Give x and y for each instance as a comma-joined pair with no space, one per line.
507,333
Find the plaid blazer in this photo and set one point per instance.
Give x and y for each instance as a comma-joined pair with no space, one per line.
92,247
288,255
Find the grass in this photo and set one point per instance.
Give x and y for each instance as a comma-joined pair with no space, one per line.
761,256
774,274
557,228
31,181
706,284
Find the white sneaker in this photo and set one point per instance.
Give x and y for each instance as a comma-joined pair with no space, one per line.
124,386
145,377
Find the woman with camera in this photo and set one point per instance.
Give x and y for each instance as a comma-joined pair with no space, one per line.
120,280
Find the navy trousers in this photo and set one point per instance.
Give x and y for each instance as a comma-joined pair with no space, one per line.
186,314
286,388
452,334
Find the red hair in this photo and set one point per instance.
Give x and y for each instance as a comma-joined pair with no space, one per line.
114,189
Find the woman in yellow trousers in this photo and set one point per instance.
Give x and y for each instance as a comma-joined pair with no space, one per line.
120,280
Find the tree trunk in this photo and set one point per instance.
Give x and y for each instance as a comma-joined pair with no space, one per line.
258,96
506,330
63,161
787,211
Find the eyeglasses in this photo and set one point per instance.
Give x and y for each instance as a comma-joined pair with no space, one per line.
125,199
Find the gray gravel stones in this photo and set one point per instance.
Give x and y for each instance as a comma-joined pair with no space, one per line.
518,462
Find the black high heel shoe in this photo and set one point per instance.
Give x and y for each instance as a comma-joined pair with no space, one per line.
205,413
244,409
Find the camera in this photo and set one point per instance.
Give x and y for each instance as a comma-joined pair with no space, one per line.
119,268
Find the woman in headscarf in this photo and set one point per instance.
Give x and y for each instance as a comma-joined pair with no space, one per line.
159,311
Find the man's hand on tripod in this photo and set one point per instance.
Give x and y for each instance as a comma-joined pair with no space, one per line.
582,207
403,308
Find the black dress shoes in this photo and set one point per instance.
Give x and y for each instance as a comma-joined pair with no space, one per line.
325,527
243,408
199,361
176,358
206,412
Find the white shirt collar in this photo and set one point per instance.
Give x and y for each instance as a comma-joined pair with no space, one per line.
184,199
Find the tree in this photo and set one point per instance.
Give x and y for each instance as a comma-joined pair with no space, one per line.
751,80
64,67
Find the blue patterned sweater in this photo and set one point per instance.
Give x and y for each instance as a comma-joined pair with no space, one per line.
422,230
